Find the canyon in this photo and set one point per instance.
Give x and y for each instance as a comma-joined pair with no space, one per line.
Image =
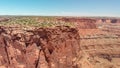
100,43
89,43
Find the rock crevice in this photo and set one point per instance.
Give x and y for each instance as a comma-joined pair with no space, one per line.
39,48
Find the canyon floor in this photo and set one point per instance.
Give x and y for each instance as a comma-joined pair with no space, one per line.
59,42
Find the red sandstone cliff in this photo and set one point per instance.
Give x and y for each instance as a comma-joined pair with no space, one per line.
40,48
82,23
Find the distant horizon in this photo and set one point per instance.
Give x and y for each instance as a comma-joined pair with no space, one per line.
94,8
63,16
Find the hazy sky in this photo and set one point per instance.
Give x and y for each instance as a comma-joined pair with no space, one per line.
60,7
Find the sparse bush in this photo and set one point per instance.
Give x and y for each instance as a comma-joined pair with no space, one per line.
31,21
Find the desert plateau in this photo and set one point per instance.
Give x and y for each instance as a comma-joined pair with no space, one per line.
59,42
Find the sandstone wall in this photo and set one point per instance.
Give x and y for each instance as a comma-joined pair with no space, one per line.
108,20
40,48
82,23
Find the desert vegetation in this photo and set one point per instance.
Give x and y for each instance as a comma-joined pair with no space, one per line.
34,22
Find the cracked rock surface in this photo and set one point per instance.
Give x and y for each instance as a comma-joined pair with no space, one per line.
39,48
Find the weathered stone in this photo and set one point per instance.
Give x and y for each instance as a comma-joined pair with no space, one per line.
42,48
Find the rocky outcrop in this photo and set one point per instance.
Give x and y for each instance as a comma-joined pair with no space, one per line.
104,20
102,49
4,19
40,48
81,23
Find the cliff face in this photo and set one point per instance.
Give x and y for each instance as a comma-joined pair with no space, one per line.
99,42
108,20
81,23
102,45
40,48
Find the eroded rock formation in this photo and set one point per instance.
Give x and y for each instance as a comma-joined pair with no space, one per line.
4,19
40,48
81,23
104,20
